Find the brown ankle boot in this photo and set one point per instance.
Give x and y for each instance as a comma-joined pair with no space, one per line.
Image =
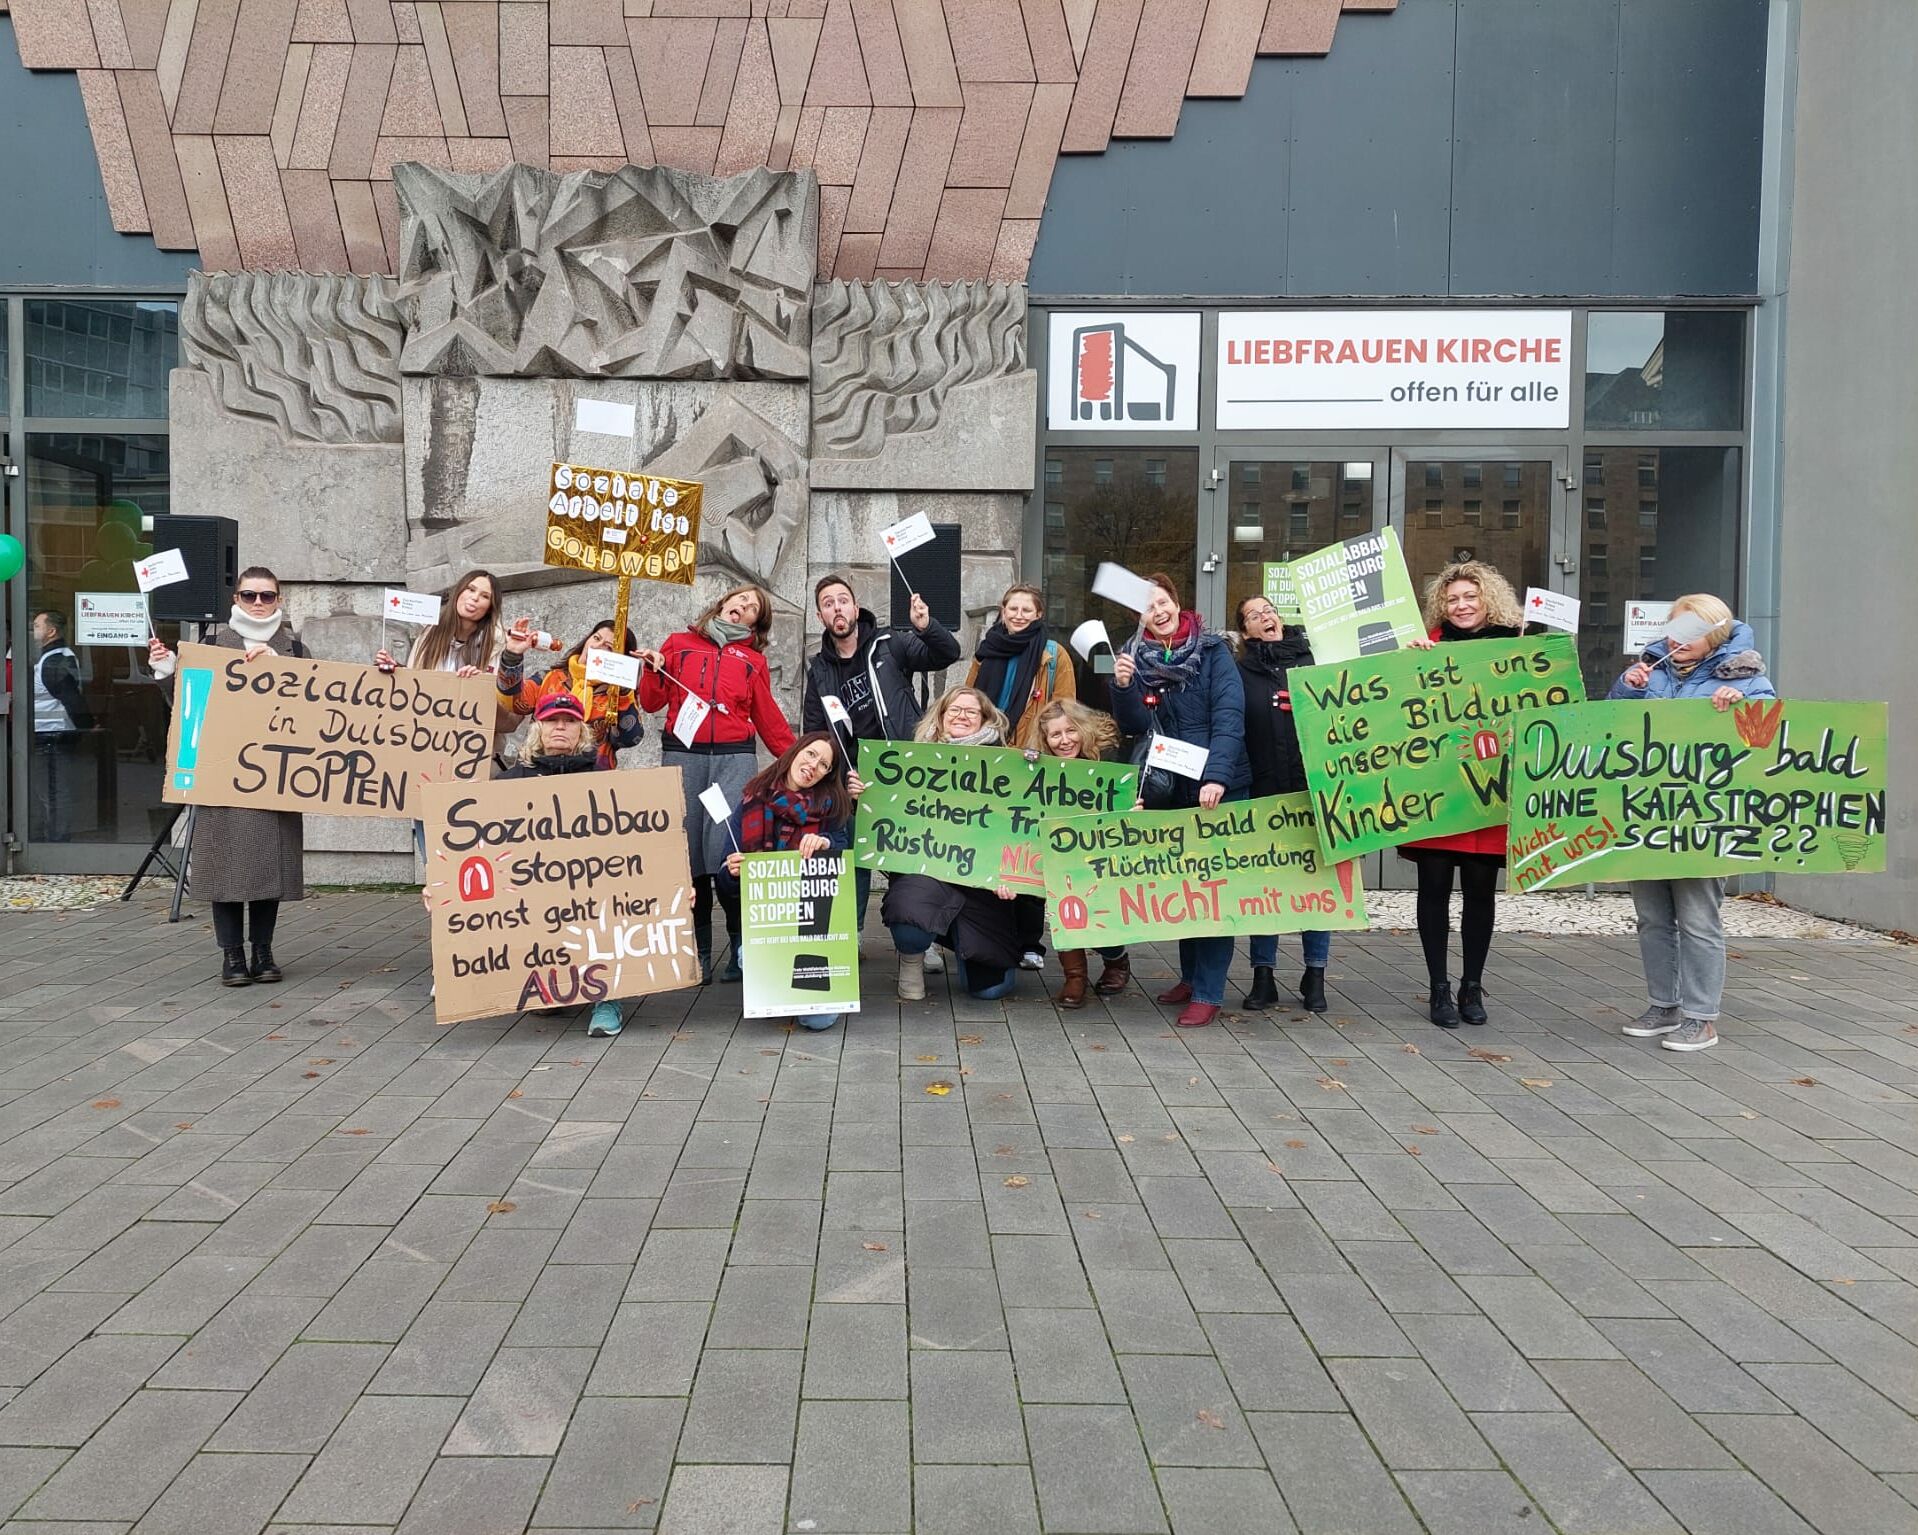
1115,977
1073,993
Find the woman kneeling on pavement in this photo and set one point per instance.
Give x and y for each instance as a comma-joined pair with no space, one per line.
1706,653
1268,649
981,927
1177,680
802,804
557,743
1068,728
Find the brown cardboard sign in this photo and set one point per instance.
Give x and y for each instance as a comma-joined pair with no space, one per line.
557,891
618,524
283,733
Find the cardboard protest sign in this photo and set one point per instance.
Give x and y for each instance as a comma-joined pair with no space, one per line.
557,891
617,524
1356,598
970,814
800,950
1250,866
1416,744
1673,789
1282,591
280,733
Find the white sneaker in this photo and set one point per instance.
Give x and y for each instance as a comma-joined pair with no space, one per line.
1032,959
1693,1034
935,962
912,977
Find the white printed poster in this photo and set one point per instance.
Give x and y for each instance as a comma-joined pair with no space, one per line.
1122,371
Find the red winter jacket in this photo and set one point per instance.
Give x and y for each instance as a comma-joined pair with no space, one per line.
735,681
1487,839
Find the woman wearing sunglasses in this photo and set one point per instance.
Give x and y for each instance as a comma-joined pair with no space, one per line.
245,862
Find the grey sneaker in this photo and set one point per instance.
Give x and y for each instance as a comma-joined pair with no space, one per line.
1654,1020
935,962
1693,1034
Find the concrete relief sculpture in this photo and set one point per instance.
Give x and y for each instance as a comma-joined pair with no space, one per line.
316,355
643,272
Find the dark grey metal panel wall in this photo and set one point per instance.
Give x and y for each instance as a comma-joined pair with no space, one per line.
56,230
1452,148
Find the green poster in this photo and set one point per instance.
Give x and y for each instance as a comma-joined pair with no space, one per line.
1282,591
1673,789
800,950
970,814
1250,866
1356,598
1415,744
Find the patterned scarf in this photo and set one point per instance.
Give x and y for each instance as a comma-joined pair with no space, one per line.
986,735
1164,666
775,824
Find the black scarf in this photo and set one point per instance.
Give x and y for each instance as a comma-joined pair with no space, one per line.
1274,658
1449,631
1002,652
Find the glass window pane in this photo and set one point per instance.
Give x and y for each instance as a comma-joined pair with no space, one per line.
1454,527
96,771
1324,502
100,357
1676,370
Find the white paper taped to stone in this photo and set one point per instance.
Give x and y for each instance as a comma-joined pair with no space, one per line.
607,417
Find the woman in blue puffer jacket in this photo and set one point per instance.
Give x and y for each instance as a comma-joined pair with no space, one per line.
1706,653
1176,679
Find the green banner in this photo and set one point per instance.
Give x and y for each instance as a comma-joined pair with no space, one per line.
970,814
1282,591
1250,866
1673,789
1415,744
800,950
1356,598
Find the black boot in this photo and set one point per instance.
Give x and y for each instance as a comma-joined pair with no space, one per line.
1312,988
703,934
1471,1001
233,971
1264,991
1444,1010
263,969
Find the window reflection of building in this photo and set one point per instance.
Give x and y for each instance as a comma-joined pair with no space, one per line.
1135,507
99,357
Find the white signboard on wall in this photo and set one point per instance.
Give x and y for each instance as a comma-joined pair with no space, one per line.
1123,371
1330,370
109,618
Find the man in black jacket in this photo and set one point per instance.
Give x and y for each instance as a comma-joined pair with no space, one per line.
869,670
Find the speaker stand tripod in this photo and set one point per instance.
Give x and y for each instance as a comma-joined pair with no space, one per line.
174,860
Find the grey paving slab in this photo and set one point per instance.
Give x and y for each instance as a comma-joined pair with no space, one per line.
1329,1475
859,1352
475,1497
744,1404
1091,1472
446,1350
1199,1501
523,1402
1187,1412
1063,1356
1730,1502
125,1467
726,1500
974,1500
1470,1502
852,1467
1824,1485
613,1464
965,1407
1581,1486
651,1350
67,1404
224,1495
302,1399
1411,1420
1880,1436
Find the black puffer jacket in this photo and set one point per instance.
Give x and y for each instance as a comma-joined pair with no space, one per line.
1271,729
975,924
585,760
874,681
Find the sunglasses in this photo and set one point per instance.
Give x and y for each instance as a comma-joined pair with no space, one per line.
257,596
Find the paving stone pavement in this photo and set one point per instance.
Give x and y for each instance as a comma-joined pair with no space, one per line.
293,1258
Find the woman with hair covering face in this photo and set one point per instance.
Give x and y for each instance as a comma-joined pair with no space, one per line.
1467,600
720,661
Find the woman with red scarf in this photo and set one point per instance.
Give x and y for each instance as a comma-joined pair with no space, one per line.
802,804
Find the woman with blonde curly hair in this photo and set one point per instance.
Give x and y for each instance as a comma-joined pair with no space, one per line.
1067,728
1467,600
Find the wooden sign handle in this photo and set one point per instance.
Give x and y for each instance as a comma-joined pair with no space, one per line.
620,604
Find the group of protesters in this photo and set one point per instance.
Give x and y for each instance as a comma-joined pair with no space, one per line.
1225,693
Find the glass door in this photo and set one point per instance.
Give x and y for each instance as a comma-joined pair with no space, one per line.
1268,505
1506,507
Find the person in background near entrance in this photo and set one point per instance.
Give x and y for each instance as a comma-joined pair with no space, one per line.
612,716
245,862
59,714
720,662
558,743
1175,679
1681,932
979,926
1068,729
1268,649
1467,600
802,804
869,670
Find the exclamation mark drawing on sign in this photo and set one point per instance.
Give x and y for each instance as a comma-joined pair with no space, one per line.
1344,872
196,684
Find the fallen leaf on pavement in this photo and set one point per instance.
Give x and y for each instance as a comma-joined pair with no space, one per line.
1425,1130
309,1075
972,1039
106,1103
1098,1047
1341,1063
357,1130
1490,1057
938,1089
1092,1215
1411,1050
1127,1140
637,1504
1273,1167
1746,1114
1804,1081
928,1057
1210,1418
518,1092
1844,1281
1415,1151
874,1247
185,1124
501,1207
1017,1181
1534,1081
1332,1084
276,1036
319,1060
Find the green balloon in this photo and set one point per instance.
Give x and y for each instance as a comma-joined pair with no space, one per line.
13,557
123,511
115,541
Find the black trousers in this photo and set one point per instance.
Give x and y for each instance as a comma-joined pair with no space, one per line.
233,919
1478,882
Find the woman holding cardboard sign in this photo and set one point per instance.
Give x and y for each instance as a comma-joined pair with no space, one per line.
1175,682
715,684
1467,600
1069,729
1706,653
612,717
802,804
245,862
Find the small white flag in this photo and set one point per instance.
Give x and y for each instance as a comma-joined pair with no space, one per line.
713,797
691,715
1553,609
835,711
162,569
1683,628
904,537
1644,622
1122,586
1088,637
612,667
410,607
1180,757
609,418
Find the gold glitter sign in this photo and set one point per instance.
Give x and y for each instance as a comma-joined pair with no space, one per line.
618,524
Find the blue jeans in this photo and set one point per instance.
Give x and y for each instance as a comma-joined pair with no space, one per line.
1317,947
817,1021
987,984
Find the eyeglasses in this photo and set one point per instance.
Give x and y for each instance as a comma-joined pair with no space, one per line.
257,596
